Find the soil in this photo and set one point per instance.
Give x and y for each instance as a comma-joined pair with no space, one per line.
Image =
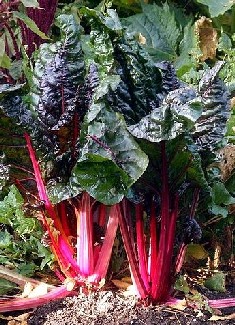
117,308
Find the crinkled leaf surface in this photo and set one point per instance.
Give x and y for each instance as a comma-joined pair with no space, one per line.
111,160
210,128
176,115
136,94
159,27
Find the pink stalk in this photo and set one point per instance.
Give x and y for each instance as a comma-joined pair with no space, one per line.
63,217
102,215
85,256
222,303
102,264
130,250
141,249
153,243
157,284
26,303
65,251
180,258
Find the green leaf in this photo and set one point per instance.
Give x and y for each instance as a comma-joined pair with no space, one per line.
196,251
175,116
111,160
30,3
27,269
6,286
182,285
216,7
225,43
221,195
30,24
5,239
216,282
189,51
159,27
2,48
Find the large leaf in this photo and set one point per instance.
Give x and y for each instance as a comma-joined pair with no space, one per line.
175,116
159,27
217,8
111,160
211,127
136,95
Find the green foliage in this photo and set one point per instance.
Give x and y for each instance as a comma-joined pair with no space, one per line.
216,282
217,8
29,23
159,27
6,286
20,237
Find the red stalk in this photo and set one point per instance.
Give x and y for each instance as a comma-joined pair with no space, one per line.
141,249
26,303
222,303
153,243
63,218
65,251
106,250
157,284
130,250
102,215
180,258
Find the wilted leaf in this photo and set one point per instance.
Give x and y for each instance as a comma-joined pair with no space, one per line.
217,317
179,304
196,251
207,36
121,284
216,282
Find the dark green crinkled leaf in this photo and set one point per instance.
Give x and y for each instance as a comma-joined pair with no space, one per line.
176,115
210,128
59,191
137,94
159,27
